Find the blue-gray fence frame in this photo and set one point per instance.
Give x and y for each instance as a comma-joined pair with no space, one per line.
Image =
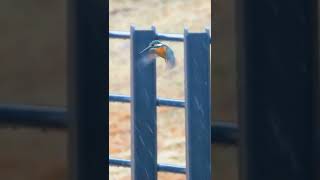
56,117
143,110
144,103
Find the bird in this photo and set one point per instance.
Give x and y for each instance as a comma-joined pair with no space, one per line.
158,49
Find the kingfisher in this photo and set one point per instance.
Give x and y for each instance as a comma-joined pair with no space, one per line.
159,49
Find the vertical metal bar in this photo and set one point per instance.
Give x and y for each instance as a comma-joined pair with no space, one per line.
316,92
87,86
277,52
198,121
143,109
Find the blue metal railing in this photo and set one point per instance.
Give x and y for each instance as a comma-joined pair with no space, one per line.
144,101
161,167
160,101
55,118
32,116
160,36
199,133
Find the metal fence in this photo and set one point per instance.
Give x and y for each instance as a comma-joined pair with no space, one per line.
86,104
197,104
144,103
278,87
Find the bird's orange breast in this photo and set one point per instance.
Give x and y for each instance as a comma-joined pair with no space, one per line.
161,51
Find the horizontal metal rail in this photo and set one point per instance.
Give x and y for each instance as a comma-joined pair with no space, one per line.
161,167
55,118
221,132
224,133
119,34
160,36
160,101
32,116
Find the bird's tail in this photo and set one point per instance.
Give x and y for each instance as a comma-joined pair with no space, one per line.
170,58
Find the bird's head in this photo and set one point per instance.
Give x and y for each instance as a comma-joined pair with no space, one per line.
156,47
159,49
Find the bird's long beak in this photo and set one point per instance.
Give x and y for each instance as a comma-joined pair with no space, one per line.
147,48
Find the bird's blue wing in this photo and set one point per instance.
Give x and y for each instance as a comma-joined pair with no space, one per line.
147,59
171,60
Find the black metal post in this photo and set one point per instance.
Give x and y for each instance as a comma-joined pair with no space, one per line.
87,105
277,63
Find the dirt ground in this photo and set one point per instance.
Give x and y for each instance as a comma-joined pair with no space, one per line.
167,17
